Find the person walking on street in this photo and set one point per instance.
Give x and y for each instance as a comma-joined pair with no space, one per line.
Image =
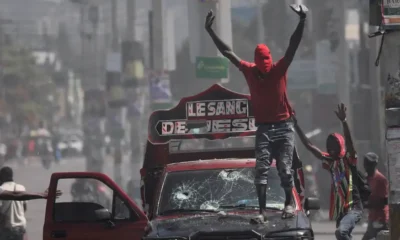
275,131
378,216
12,213
346,204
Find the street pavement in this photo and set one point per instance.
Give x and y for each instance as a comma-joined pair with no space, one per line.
36,179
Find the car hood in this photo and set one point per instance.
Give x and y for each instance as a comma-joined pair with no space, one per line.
238,222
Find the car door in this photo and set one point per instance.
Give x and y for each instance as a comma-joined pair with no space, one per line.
91,206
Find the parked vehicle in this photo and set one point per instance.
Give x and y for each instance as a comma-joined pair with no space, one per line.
70,145
188,191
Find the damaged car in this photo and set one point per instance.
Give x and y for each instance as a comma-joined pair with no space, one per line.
196,183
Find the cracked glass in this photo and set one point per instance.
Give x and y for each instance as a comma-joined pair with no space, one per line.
214,188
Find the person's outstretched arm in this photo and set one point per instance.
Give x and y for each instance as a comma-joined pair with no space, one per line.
225,50
24,196
296,37
341,114
306,142
21,196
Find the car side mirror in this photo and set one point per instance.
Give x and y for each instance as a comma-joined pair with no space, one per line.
103,215
311,204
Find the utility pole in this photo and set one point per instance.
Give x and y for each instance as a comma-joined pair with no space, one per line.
343,86
260,22
114,26
130,20
133,185
158,46
201,44
94,20
377,108
118,111
82,34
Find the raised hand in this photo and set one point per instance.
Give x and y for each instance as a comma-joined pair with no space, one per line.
301,10
341,112
45,194
209,20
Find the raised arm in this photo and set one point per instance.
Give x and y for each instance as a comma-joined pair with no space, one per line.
296,37
306,142
341,114
225,50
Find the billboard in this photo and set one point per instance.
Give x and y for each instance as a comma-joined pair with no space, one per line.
132,63
116,96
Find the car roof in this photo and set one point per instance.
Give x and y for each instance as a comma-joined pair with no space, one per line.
212,164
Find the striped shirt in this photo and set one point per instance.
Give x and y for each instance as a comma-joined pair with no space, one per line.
344,194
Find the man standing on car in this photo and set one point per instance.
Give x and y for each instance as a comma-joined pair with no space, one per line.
346,205
275,131
377,205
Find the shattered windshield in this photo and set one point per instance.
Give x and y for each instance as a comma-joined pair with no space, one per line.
217,189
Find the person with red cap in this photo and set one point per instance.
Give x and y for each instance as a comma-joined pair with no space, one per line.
340,160
273,114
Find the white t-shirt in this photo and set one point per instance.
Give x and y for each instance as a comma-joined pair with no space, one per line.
3,149
14,210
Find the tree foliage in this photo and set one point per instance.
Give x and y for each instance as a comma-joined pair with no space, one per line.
26,84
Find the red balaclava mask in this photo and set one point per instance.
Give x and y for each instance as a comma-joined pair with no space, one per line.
263,58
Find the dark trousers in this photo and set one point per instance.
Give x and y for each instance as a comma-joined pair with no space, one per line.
275,141
346,223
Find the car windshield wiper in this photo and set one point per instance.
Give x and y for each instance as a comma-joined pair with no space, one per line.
244,206
183,210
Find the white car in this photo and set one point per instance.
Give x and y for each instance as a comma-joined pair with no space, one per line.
76,143
71,144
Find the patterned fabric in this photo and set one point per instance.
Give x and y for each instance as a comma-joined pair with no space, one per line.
343,189
299,183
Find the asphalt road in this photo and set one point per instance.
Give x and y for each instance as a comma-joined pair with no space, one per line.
36,179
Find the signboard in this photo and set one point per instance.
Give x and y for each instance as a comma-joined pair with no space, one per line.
115,91
222,116
212,67
132,63
225,113
160,90
391,14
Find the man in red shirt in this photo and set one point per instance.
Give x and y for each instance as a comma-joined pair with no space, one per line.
377,205
275,130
